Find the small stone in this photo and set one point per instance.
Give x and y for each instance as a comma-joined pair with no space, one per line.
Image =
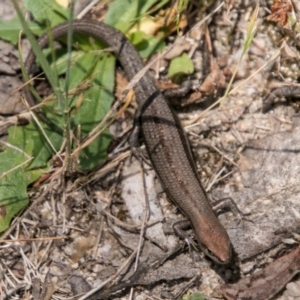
293,289
248,267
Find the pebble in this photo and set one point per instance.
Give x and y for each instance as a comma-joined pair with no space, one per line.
293,289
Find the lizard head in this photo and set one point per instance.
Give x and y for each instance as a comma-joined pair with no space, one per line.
215,243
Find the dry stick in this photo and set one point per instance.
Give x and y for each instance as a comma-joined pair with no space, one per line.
130,227
209,46
81,87
87,8
64,205
149,297
187,287
13,277
40,126
225,176
21,87
15,148
1,292
16,167
49,238
214,179
46,252
115,162
98,238
9,293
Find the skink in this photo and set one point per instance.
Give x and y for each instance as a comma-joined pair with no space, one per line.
164,137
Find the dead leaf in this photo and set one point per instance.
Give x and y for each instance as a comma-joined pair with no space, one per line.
280,10
213,81
266,283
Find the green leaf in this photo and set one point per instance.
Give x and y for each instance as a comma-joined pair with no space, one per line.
180,65
10,30
146,44
197,296
47,10
122,14
61,59
31,140
193,296
13,196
